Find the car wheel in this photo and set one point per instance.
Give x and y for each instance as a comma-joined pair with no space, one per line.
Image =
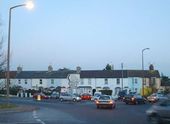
74,100
97,107
114,106
61,99
136,102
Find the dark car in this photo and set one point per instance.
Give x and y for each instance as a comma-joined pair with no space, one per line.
86,96
55,95
121,95
134,99
159,112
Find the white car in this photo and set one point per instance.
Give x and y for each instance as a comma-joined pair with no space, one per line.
156,96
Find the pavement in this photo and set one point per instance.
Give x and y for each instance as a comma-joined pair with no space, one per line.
19,108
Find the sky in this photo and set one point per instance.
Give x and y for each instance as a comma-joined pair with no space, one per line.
88,33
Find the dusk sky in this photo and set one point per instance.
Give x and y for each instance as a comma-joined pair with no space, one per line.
88,33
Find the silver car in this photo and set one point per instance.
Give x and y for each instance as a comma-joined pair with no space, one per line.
69,97
156,97
105,101
159,112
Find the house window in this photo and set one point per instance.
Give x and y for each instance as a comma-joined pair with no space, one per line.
89,81
25,81
106,81
136,80
52,81
19,81
118,81
82,81
40,81
133,80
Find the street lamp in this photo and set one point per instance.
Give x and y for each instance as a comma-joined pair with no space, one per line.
143,70
28,5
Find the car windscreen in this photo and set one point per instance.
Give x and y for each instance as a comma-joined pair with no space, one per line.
104,97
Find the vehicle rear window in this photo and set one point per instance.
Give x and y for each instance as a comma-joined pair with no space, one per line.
105,97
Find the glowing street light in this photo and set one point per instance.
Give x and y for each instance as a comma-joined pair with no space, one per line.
28,5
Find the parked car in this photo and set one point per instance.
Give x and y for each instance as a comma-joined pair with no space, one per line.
42,96
69,97
159,112
121,95
156,97
55,95
134,99
86,96
105,101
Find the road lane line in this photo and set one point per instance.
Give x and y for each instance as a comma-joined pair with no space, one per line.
35,116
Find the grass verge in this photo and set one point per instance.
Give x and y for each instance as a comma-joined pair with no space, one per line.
6,106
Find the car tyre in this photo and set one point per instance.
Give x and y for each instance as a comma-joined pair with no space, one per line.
61,100
98,107
74,100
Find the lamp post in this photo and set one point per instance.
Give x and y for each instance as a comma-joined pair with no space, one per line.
143,69
28,5
122,75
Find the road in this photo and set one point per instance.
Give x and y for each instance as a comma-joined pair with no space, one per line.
55,112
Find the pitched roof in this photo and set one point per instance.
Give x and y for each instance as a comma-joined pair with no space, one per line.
143,73
39,74
103,74
83,74
12,74
43,74
118,73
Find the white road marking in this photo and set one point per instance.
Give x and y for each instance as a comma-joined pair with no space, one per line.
35,116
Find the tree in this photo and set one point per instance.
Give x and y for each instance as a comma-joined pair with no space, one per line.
108,67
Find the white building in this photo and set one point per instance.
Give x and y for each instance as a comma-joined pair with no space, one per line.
84,81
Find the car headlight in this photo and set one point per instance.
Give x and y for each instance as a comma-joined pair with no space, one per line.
97,102
110,102
133,98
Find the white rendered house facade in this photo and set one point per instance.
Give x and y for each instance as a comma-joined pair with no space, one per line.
84,81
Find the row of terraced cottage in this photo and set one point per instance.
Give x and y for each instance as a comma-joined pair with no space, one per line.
84,81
